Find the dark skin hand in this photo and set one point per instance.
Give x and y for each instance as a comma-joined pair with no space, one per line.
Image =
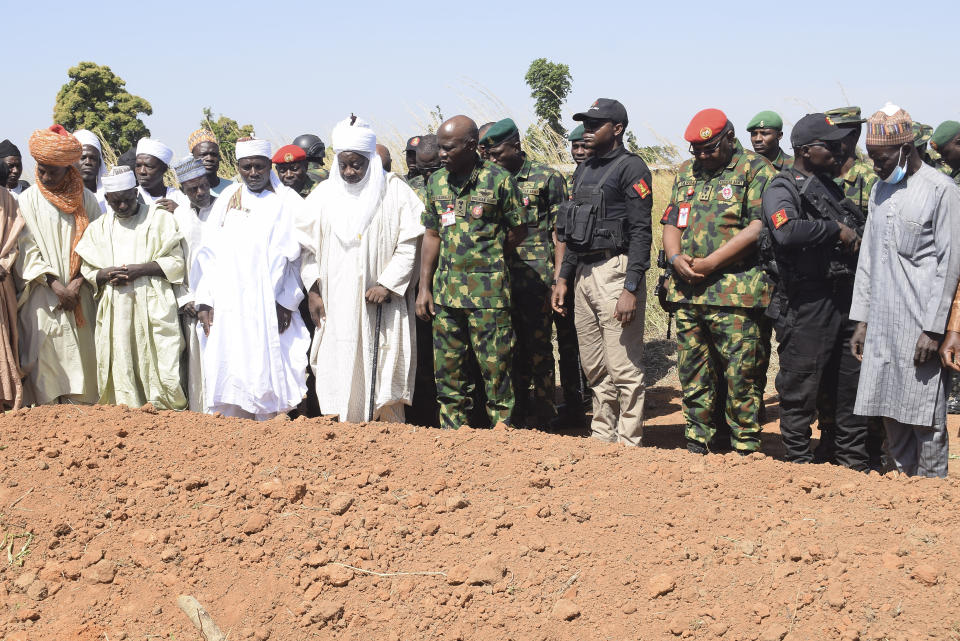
558,295
377,294
189,310
950,351
693,270
125,274
68,295
429,253
927,346
318,312
857,340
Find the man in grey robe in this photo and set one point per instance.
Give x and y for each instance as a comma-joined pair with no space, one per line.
906,277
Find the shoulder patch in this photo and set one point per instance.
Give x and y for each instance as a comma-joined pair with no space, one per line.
779,218
642,188
666,214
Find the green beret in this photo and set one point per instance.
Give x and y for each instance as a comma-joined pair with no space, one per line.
921,133
944,133
577,134
845,116
501,131
766,120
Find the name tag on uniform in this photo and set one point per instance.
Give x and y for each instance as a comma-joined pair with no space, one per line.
683,218
448,217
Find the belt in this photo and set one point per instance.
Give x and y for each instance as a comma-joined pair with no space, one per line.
589,258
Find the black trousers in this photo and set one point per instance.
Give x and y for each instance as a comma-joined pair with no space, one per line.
818,375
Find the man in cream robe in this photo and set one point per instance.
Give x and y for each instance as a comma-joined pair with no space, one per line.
247,292
57,311
132,258
360,234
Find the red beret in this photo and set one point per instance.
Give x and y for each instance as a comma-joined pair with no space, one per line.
289,153
705,125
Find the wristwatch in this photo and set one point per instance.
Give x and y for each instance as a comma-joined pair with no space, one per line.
630,286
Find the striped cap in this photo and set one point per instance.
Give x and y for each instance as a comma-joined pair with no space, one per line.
889,126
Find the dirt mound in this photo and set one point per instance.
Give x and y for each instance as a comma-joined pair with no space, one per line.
291,530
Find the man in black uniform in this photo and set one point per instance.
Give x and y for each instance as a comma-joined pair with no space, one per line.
606,226
815,235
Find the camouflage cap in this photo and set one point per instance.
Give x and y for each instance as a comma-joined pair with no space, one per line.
576,134
921,134
845,116
501,131
766,120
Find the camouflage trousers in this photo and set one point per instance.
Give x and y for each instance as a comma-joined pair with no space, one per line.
488,333
533,363
721,345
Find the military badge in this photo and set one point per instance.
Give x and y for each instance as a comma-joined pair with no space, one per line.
727,192
690,191
706,133
415,141
288,157
666,214
779,218
477,211
642,189
829,122
526,201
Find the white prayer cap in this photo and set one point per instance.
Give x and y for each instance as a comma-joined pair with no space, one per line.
253,147
357,136
120,178
87,137
156,149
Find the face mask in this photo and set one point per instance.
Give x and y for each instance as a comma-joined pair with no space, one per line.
898,172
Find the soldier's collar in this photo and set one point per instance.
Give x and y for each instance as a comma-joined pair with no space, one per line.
735,157
525,168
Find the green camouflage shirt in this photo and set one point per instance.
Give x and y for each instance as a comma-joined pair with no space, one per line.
783,161
309,185
472,220
709,210
318,174
415,183
943,167
543,190
858,183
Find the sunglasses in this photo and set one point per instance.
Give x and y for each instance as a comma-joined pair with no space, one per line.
706,150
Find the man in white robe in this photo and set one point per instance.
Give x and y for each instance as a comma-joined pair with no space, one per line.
906,277
132,258
153,160
57,311
191,220
247,291
360,234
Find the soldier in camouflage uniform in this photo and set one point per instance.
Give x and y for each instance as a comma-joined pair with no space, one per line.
290,163
945,142
474,216
710,230
856,175
316,155
766,131
531,275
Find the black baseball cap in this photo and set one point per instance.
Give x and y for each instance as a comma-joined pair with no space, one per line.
815,127
604,109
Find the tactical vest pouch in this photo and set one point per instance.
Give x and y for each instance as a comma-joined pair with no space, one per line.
579,220
583,216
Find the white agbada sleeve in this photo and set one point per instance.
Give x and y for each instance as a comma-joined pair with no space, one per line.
398,273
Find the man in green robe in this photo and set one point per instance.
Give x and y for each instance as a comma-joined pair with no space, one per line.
132,258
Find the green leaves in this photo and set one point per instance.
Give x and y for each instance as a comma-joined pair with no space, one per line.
550,84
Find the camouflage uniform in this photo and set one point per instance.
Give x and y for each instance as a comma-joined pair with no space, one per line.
471,287
416,183
857,183
317,174
783,161
309,184
531,277
943,167
719,321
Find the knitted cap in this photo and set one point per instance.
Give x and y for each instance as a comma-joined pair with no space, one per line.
889,126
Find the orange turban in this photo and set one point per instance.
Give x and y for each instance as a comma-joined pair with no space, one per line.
58,147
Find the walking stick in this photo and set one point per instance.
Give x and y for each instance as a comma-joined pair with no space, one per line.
376,359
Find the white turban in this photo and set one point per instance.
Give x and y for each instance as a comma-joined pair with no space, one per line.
120,178
87,137
355,205
254,147
356,137
156,149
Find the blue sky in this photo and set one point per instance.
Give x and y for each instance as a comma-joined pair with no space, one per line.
294,67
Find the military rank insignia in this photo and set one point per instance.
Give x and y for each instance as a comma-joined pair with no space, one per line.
779,218
477,211
642,189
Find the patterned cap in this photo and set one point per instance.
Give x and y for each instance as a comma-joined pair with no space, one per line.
199,136
766,120
921,134
845,116
889,126
576,135
189,168
501,131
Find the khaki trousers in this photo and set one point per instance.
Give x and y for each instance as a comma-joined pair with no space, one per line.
611,355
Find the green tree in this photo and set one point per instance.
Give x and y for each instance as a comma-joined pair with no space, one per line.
227,131
97,99
550,84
